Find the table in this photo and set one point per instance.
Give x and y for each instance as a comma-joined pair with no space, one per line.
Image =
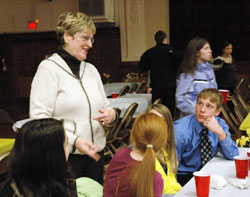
218,166
114,87
123,102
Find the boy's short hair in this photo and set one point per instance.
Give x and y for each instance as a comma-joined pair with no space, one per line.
160,36
213,94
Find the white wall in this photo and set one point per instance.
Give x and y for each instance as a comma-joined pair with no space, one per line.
138,20
156,18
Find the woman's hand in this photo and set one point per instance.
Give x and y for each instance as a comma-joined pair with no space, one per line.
105,117
86,147
149,90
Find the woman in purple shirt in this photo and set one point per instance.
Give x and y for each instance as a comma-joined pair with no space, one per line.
195,75
132,172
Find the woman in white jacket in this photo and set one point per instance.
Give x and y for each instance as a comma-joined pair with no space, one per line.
66,87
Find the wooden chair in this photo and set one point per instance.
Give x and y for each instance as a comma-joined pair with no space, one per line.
241,91
108,154
157,101
240,83
122,130
5,117
4,163
133,87
110,130
243,99
141,87
124,90
232,121
248,86
239,109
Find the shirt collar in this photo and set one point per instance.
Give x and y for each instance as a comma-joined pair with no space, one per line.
204,66
73,63
197,126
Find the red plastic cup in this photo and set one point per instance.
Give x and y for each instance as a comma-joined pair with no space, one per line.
241,166
248,154
202,183
114,95
224,94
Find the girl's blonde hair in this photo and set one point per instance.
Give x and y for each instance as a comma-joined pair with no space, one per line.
148,129
169,147
71,24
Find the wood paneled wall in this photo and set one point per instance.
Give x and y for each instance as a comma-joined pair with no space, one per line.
24,51
106,52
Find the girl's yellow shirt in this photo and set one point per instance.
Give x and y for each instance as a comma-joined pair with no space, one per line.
171,186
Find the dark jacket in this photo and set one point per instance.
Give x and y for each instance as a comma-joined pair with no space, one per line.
226,76
162,61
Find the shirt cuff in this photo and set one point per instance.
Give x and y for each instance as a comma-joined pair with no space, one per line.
71,141
226,142
114,120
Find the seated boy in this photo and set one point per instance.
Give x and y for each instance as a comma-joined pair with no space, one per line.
189,139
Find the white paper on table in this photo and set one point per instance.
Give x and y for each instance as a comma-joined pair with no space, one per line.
240,183
217,182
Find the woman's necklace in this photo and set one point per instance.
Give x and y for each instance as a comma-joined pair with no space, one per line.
227,59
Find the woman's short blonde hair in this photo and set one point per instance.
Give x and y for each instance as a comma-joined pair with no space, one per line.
71,24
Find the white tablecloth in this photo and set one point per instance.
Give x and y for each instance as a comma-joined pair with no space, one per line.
123,102
114,87
218,166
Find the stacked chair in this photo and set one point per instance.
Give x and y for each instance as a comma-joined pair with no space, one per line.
242,94
5,117
232,121
157,101
117,134
241,107
6,138
108,154
141,87
124,90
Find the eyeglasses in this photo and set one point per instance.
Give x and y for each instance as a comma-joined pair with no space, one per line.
87,38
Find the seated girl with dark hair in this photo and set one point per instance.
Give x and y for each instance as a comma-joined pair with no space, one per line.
37,163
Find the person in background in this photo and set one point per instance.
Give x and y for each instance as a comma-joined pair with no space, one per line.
190,139
37,163
225,68
162,61
195,74
66,87
132,172
167,155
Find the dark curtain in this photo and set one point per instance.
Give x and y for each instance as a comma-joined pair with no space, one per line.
215,20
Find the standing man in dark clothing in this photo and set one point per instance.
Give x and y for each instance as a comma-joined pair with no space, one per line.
162,61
